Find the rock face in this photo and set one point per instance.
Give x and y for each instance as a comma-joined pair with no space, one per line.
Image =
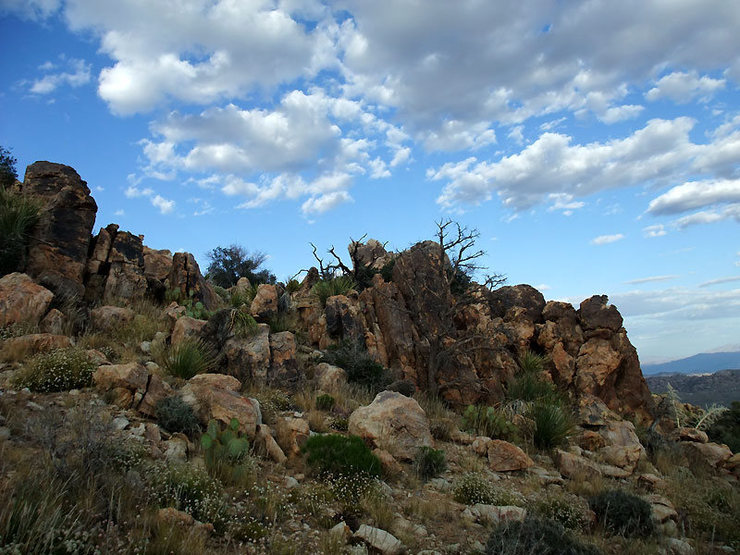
394,423
131,386
109,318
185,277
59,241
506,457
22,300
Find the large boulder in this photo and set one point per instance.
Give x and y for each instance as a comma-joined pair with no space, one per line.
187,328
283,363
18,348
343,318
506,457
392,422
59,242
186,278
131,386
596,314
216,397
22,300
248,358
265,302
523,296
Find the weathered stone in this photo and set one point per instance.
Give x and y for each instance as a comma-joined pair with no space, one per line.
714,454
186,278
127,383
495,515
662,508
692,434
59,242
651,482
265,302
623,447
186,328
590,440
248,358
392,422
215,397
156,391
170,517
265,445
343,318
595,313
575,466
176,449
329,378
506,457
523,296
28,345
391,467
291,434
283,364
110,318
157,263
54,322
22,300
380,540
480,445
371,254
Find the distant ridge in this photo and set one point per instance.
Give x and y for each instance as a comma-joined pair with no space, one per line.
703,363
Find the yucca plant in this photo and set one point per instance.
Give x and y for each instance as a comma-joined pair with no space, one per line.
242,323
18,214
552,424
189,358
329,287
532,362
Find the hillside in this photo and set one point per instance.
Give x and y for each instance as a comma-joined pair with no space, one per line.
703,363
722,387
397,408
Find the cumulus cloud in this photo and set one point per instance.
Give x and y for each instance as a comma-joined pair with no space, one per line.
696,194
165,206
682,87
78,75
606,239
653,231
323,203
620,113
679,303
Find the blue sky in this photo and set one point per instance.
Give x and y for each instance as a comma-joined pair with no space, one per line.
595,145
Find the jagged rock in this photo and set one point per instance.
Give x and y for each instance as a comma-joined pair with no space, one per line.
593,413
524,296
22,300
115,269
596,314
371,254
186,328
215,396
131,386
380,540
623,448
575,466
157,263
265,302
283,363
480,445
662,508
28,345
506,457
265,445
329,378
110,318
692,434
54,322
59,241
248,358
343,318
176,449
394,423
677,546
494,515
186,278
291,434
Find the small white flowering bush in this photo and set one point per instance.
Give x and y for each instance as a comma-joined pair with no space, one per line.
569,510
472,488
58,370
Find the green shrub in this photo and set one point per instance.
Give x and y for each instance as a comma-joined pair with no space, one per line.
292,285
552,424
175,415
336,455
472,488
280,321
487,421
228,264
18,214
58,370
429,463
189,358
242,324
530,386
359,365
226,451
726,429
569,510
340,423
531,362
622,513
535,535
193,309
329,287
243,296
325,402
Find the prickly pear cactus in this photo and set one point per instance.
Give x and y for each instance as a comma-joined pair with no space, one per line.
227,446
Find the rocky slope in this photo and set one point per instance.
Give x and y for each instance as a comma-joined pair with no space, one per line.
89,312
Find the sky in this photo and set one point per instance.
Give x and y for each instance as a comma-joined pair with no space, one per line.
595,145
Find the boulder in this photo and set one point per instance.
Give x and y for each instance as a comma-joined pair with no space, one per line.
506,457
623,448
157,263
59,242
216,397
371,254
248,358
54,322
265,445
18,348
265,302
494,515
186,278
170,517
595,313
186,328
392,422
291,434
343,318
131,386
110,318
283,364
379,540
692,434
523,296
575,466
22,300
714,454
329,378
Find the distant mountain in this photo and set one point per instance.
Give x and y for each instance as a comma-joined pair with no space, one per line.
721,387
703,363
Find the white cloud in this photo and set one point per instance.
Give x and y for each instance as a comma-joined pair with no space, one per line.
134,192
325,202
165,206
564,203
682,87
651,279
653,231
720,281
119,212
620,113
679,303
78,75
606,239
696,194
30,9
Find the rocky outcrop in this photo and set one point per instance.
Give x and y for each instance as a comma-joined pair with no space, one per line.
394,423
131,386
22,300
186,278
59,242
265,302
